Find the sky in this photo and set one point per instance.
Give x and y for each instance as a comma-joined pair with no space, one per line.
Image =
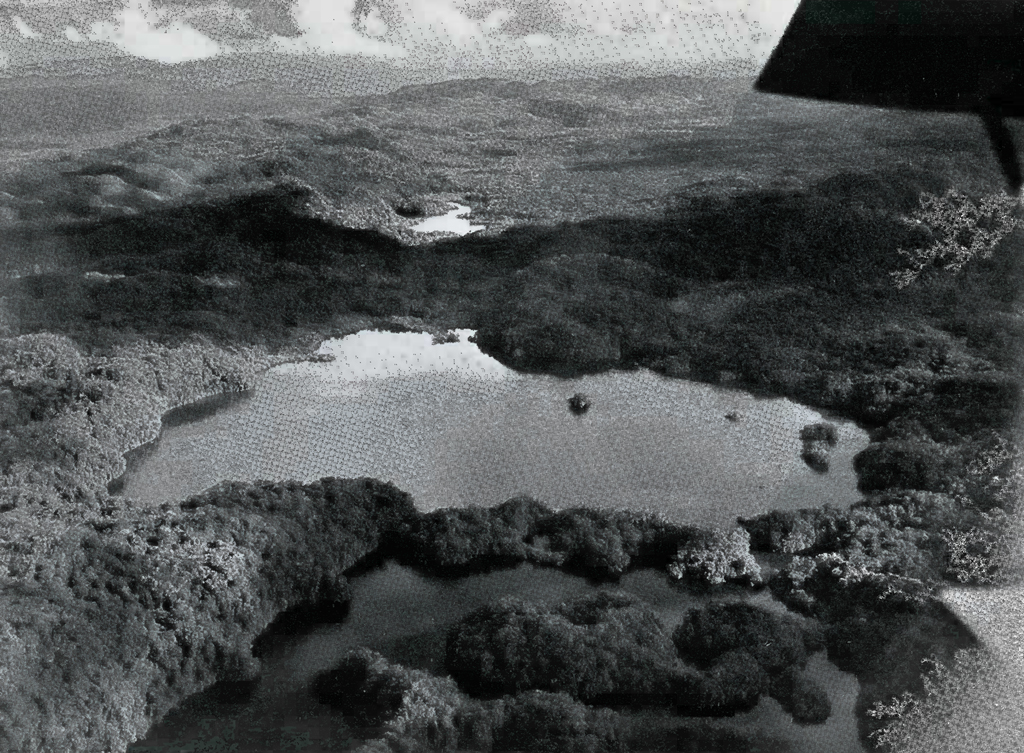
641,34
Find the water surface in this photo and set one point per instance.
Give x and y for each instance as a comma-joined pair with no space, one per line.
453,221
455,427
404,615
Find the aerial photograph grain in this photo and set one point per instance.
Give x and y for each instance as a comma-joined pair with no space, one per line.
511,376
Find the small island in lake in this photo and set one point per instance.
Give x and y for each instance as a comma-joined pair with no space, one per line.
818,440
579,403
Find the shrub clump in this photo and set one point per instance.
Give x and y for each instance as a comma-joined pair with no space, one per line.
804,699
598,543
818,440
415,710
604,645
610,649
365,685
544,722
775,641
731,684
714,557
746,652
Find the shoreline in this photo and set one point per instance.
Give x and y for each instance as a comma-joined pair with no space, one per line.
146,518
684,405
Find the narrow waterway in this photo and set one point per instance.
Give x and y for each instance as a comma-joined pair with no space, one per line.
404,615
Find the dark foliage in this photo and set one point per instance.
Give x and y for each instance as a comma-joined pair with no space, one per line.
598,543
416,711
801,696
774,641
908,464
607,645
458,540
548,722
610,649
155,608
732,684
818,440
745,652
363,687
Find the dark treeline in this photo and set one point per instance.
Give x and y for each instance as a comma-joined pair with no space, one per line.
598,544
612,649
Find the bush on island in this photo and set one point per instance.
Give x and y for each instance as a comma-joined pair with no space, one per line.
716,557
365,686
818,440
804,699
545,722
822,431
608,644
816,457
775,641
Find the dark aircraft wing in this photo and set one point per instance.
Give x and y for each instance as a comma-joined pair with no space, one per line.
940,55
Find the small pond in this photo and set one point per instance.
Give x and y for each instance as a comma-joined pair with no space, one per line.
404,615
453,221
455,427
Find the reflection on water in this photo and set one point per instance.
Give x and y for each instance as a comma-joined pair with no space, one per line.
454,427
404,615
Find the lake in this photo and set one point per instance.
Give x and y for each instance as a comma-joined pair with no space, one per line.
454,427
404,615
452,221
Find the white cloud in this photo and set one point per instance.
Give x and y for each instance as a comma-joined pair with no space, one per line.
373,25
5,59
492,32
495,19
145,32
23,28
424,33
328,27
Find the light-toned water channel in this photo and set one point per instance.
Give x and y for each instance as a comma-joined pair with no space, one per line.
453,221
